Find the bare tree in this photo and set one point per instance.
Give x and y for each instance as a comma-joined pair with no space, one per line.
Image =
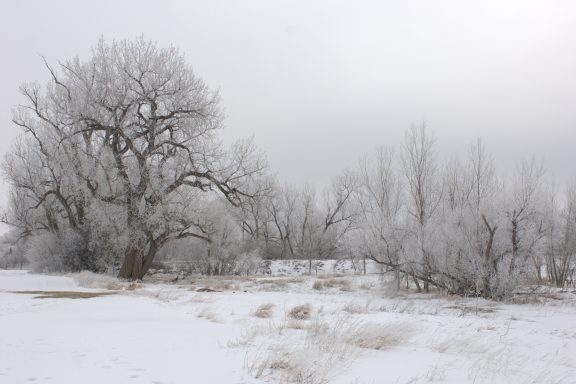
281,207
421,171
139,130
560,249
380,199
524,219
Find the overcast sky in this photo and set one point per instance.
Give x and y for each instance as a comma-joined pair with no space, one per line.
321,83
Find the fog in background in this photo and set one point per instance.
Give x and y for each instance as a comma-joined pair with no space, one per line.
322,83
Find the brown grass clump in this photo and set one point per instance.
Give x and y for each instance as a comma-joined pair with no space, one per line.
264,311
300,312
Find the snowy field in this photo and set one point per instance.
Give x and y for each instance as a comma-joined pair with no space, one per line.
348,330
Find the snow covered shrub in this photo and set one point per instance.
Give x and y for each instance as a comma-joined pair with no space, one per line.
264,311
247,263
45,253
14,258
300,312
65,251
11,253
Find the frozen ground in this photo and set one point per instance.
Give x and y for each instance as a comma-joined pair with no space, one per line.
352,331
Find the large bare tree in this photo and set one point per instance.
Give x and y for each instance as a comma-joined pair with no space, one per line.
136,130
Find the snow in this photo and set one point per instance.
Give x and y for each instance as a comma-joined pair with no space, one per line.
173,334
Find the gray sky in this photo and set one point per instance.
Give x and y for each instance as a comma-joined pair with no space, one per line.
321,83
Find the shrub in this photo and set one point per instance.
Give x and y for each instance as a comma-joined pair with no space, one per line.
300,312
264,311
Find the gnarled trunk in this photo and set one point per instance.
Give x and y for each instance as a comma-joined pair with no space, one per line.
138,259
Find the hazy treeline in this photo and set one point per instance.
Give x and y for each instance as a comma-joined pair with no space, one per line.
120,164
452,224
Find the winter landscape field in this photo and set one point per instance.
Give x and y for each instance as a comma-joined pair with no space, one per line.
288,192
302,329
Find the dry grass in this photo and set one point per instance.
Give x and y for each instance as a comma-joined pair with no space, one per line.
357,309
300,312
309,358
474,310
342,283
88,279
132,286
272,284
378,336
226,286
264,311
64,294
216,285
113,285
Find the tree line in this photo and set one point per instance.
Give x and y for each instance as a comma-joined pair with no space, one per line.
120,162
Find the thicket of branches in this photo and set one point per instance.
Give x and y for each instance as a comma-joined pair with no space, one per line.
120,162
451,224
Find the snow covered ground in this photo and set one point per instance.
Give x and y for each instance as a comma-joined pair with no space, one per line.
350,330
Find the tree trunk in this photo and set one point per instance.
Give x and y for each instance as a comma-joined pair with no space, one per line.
515,246
490,264
131,265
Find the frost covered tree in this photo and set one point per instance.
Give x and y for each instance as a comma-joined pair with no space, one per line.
419,160
524,216
560,239
129,138
380,200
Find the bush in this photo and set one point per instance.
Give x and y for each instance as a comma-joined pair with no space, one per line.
300,312
67,251
264,311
